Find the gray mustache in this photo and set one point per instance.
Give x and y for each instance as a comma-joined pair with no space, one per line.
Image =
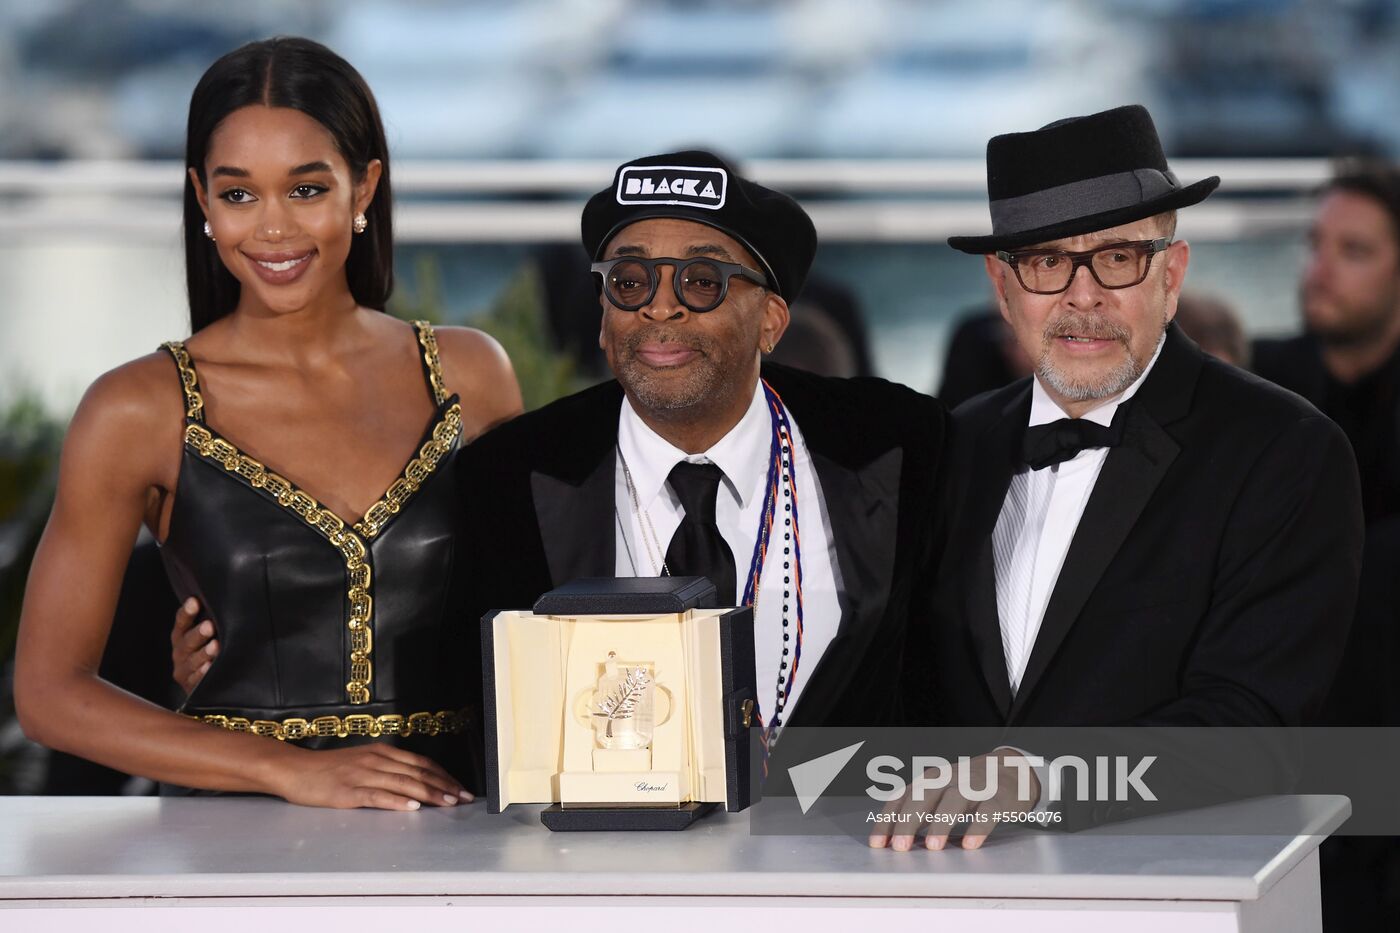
1083,325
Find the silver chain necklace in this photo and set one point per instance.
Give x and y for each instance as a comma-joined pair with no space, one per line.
649,538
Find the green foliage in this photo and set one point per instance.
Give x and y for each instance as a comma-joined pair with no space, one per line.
516,318
29,446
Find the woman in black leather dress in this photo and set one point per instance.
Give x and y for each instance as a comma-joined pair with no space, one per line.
290,458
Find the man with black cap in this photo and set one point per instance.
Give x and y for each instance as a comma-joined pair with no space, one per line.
1142,534
807,497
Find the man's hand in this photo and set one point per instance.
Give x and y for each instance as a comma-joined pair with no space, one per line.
944,807
377,775
192,647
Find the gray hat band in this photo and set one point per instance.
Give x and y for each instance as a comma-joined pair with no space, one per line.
1080,199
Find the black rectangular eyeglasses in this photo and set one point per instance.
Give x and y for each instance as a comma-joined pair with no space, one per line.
1117,265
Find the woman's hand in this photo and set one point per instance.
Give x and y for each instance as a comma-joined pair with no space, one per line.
378,775
192,647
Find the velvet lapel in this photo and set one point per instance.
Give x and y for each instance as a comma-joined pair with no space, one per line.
863,508
574,494
1131,473
860,490
995,459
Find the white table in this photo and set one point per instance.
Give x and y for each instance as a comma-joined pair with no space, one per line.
247,864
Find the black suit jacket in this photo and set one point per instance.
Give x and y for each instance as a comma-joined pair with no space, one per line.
540,494
1210,581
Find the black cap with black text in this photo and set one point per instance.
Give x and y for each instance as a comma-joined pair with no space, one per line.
700,186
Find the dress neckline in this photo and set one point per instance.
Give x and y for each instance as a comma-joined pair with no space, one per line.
442,433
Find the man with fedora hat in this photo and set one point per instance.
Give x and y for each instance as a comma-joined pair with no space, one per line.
805,496
1140,534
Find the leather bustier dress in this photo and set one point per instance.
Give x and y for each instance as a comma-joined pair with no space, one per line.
331,634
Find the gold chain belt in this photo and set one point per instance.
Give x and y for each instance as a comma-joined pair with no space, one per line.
443,722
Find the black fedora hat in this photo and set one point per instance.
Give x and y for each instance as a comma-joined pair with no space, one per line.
1076,176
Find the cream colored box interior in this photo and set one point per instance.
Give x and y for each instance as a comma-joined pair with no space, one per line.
552,723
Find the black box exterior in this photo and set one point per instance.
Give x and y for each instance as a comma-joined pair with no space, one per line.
598,596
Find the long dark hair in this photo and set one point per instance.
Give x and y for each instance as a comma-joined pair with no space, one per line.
306,76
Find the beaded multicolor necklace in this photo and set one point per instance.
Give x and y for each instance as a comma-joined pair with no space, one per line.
780,479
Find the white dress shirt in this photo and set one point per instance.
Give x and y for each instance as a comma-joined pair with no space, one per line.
1037,523
644,532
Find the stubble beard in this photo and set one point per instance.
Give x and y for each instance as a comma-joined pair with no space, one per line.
1354,330
694,388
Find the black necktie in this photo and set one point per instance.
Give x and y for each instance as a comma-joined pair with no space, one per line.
697,549
1047,444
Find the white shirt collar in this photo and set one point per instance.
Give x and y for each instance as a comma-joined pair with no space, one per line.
1044,409
742,454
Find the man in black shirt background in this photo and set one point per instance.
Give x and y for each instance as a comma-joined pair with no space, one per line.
1347,363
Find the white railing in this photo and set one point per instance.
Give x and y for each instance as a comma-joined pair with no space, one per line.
498,201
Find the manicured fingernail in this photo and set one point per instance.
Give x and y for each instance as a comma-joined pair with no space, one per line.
205,666
206,627
413,805
449,799
877,842
935,843
973,843
901,843
191,604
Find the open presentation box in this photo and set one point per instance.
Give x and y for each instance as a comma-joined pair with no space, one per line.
625,703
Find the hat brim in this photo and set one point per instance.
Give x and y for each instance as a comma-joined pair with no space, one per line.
1182,197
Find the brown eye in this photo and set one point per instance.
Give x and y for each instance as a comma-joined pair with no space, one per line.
628,283
701,284
237,196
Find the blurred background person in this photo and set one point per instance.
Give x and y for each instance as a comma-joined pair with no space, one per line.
1347,360
1214,325
982,355
1347,363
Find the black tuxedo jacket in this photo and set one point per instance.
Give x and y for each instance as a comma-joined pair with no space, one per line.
540,503
1210,581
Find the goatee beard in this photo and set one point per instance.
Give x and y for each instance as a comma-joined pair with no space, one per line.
1105,385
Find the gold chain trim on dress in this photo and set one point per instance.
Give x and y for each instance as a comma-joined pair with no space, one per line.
194,401
357,572
443,722
444,438
331,526
428,340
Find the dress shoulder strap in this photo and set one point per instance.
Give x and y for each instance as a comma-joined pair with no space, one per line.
432,366
189,379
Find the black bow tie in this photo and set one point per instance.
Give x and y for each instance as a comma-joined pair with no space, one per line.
1048,444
